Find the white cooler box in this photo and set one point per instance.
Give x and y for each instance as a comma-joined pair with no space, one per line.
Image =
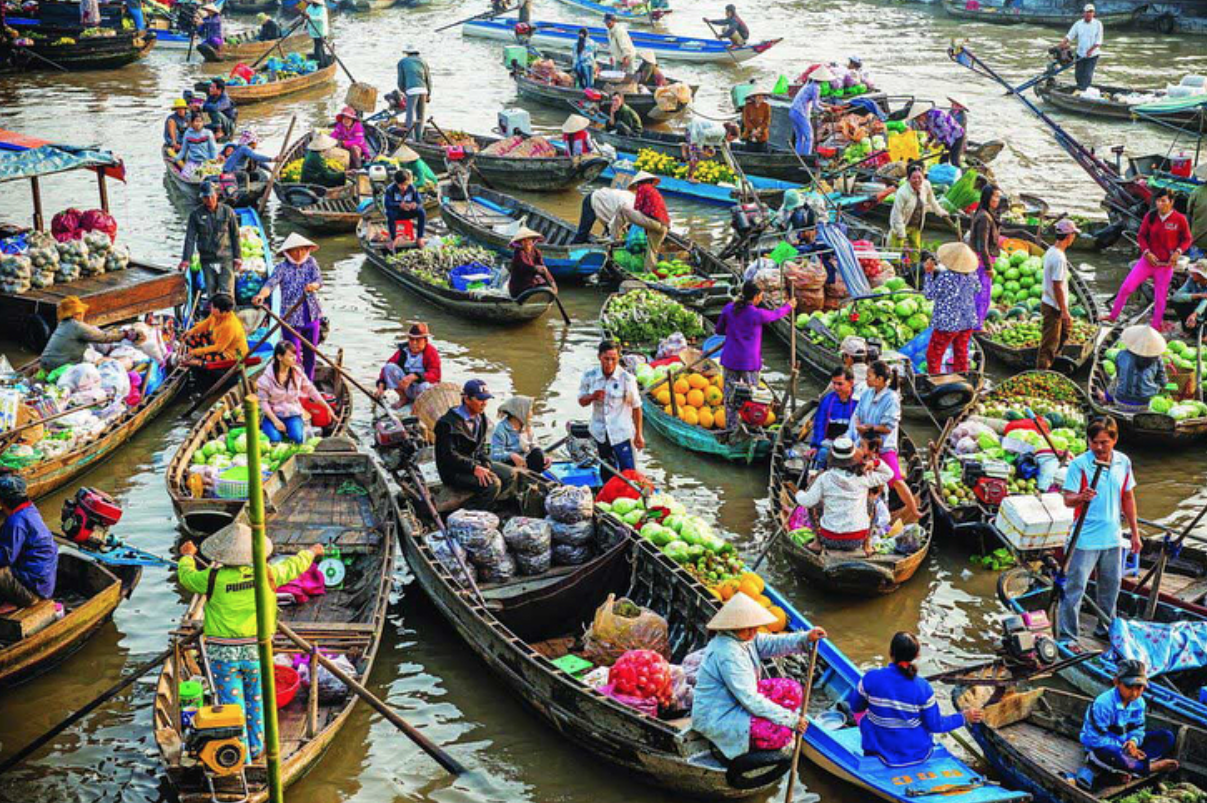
1031,523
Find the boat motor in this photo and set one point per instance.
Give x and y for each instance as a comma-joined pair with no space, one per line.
216,739
87,517
397,439
988,480
1026,642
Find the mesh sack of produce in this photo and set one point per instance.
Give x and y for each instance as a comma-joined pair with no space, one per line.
577,534
533,564
608,537
570,555
99,220
621,625
488,553
446,551
473,529
526,536
642,673
569,504
497,571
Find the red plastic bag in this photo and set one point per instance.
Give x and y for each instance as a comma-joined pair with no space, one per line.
647,707
99,220
617,488
65,225
644,674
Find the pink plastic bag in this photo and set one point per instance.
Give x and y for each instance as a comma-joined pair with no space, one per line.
646,705
135,394
310,584
99,220
65,225
765,735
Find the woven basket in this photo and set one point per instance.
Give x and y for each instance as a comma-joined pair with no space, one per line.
435,402
232,483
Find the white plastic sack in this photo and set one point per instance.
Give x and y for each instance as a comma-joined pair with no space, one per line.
150,342
83,376
114,378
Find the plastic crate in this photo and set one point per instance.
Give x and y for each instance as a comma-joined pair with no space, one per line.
571,474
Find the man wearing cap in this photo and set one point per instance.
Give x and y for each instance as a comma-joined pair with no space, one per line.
318,27
415,82
175,125
1196,211
615,401
734,29
1113,732
856,71
854,353
270,29
213,231
413,368
220,108
315,169
756,120
1087,34
1190,302
462,456
620,45
1057,320
29,556
842,492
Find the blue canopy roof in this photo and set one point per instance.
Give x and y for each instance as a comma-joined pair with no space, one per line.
24,157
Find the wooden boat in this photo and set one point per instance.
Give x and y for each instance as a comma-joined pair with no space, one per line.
245,47
1019,15
1032,739
200,517
644,103
491,307
1184,582
753,449
248,193
330,210
250,7
717,282
850,572
89,593
258,93
562,36
630,16
310,504
769,190
770,163
970,519
1137,427
490,218
1074,355
537,174
79,55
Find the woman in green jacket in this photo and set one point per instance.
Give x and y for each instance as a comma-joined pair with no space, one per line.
230,617
314,165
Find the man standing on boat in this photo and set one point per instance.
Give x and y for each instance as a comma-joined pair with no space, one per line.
213,231
29,557
734,29
1087,34
615,401
415,82
620,45
1057,320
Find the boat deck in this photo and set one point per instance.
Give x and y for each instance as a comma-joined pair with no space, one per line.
1060,756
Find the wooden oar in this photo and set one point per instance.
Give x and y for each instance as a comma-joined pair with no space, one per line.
718,38
803,722
276,168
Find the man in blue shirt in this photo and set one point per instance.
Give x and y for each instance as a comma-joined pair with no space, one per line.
29,557
1113,731
1099,543
833,417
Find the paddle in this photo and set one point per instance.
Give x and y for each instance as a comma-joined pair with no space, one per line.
40,57
485,15
728,49
276,168
802,482
803,723
1071,549
278,46
1157,572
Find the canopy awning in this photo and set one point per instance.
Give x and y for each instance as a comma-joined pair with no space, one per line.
23,157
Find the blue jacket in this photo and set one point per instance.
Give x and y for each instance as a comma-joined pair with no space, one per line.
832,410
1110,724
27,547
1138,379
243,156
901,717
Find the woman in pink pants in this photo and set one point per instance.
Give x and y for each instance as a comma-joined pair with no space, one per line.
1164,237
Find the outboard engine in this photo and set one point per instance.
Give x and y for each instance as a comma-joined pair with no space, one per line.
87,516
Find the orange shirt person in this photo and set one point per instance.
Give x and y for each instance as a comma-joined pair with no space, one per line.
220,336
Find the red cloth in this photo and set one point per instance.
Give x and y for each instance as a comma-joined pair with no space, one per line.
857,535
650,203
431,363
617,488
1163,237
939,341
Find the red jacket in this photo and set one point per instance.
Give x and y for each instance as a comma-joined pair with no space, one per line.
1163,237
431,364
649,203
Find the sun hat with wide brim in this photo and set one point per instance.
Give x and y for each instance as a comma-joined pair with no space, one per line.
1143,341
648,56
957,102
1199,268
643,175
348,111
231,546
916,111
419,331
404,153
526,233
957,257
575,123
321,142
740,613
295,240
822,73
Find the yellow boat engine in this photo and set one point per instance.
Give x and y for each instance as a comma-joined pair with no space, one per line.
216,739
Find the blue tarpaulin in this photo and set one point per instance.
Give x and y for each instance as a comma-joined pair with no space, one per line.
24,157
1162,647
848,263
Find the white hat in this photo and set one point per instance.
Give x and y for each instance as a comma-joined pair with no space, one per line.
957,257
1201,170
525,233
1089,7
210,8
740,613
295,240
575,123
404,153
231,546
643,175
853,346
322,142
1198,268
822,73
916,111
1143,341
648,56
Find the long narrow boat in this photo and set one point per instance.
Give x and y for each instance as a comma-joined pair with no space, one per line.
650,16
248,94
492,307
749,450
329,210
89,593
337,497
714,283
1137,427
770,190
246,47
562,36
847,572
202,516
532,88
250,6
770,162
492,218
530,174
1019,15
189,187
77,55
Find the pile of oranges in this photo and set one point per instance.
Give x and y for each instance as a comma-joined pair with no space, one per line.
752,585
698,398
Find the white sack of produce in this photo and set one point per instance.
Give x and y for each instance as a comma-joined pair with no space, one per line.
15,273
118,258
114,378
150,342
80,377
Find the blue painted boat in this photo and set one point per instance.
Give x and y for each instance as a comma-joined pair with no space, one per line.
562,36
248,216
654,11
837,750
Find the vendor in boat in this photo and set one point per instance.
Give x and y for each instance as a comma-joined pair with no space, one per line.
878,415
955,150
1087,34
243,156
701,141
614,397
318,28
1191,299
1113,732
350,135
584,60
1163,238
1139,370
953,291
842,492
402,201
833,417
732,27
799,219
175,125
230,617
213,231
314,167
415,82
220,108
299,279
649,75
210,30
1196,211
620,44
902,715
727,697
413,368
575,135
803,105
741,324
858,74
462,459
612,207
281,389
1097,548
657,222
621,117
197,146
72,337
985,238
854,353
29,557
915,198
527,269
756,120
270,29
218,337
421,174
1054,306
513,440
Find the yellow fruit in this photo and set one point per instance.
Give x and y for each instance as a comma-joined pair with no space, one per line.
713,396
706,419
699,381
728,589
668,410
689,416
755,581
749,588
781,619
695,398
718,417
663,396
680,400
765,601
718,381
770,418
682,385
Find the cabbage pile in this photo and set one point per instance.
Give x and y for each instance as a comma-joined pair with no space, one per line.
220,454
642,319
896,318
1179,359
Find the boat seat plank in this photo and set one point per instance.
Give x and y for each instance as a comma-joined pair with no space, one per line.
1191,592
449,499
21,623
555,647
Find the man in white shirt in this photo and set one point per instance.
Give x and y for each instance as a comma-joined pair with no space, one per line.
1057,320
615,401
620,45
1087,33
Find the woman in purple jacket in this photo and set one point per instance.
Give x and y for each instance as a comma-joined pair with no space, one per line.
742,323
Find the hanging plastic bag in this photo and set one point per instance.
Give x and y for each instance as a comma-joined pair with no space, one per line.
620,626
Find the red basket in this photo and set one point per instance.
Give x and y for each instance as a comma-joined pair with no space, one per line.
288,681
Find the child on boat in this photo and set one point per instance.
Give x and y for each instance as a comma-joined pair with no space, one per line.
1113,733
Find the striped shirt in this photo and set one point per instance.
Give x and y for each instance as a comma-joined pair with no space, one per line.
901,716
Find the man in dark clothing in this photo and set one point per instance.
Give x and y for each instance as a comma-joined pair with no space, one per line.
29,557
833,417
220,108
622,118
415,81
734,29
461,451
214,232
270,29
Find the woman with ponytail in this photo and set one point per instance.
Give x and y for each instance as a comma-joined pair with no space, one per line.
901,715
878,415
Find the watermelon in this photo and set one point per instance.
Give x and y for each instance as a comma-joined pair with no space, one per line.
1018,258
896,283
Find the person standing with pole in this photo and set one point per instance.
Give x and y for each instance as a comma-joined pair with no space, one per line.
1057,320
415,82
1087,34
1101,486
318,26
741,324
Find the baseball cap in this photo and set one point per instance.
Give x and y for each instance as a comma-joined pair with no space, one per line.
1132,673
476,389
1065,226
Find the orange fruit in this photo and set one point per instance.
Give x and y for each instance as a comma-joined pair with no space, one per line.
713,396
695,398
698,381
781,619
680,400
706,419
749,589
728,589
682,385
755,580
718,417
763,600
663,396
668,410
690,416
718,381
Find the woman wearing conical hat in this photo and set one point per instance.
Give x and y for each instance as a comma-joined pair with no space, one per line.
527,265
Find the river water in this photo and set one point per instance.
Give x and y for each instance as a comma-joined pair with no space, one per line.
422,669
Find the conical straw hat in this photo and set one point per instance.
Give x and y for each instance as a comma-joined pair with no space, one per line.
957,257
295,240
231,546
740,613
1142,340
